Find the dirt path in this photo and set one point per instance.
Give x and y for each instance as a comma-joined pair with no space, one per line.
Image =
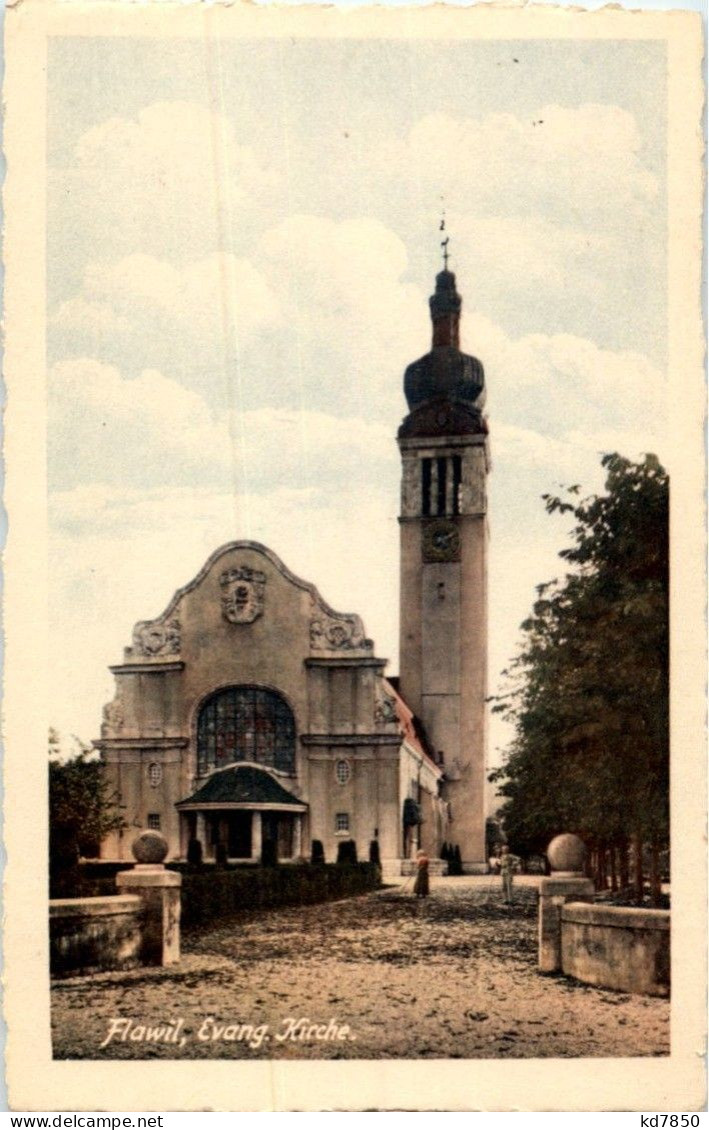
378,976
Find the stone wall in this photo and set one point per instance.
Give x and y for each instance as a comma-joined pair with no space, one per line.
90,934
617,947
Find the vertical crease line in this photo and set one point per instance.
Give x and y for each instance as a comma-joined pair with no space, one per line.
305,460
233,385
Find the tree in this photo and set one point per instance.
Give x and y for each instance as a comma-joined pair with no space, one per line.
82,810
494,836
588,694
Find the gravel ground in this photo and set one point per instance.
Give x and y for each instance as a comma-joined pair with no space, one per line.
378,976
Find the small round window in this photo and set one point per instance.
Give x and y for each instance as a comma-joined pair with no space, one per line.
343,772
155,774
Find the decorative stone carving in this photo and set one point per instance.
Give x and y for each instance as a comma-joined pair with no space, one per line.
331,633
243,592
156,637
457,770
113,718
384,707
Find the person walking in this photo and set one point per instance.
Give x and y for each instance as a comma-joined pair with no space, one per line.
421,886
507,868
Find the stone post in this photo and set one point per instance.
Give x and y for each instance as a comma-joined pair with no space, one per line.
159,891
567,883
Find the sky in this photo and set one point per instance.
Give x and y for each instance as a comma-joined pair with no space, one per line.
242,238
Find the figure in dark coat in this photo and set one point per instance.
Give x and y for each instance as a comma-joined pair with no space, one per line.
421,886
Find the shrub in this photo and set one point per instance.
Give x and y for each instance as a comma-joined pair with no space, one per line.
210,894
194,853
347,853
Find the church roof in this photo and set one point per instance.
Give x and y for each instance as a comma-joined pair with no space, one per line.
447,373
243,785
410,726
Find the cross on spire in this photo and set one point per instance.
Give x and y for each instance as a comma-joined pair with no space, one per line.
444,245
444,242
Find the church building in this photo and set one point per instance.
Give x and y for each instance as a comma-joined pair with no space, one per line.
251,711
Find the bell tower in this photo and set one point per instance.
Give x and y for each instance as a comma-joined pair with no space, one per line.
444,539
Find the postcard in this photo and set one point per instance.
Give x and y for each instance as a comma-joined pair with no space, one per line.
355,587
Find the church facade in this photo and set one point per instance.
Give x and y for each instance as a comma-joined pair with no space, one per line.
252,712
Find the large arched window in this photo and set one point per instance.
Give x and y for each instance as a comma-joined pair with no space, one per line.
245,724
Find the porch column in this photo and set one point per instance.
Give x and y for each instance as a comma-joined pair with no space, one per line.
184,827
297,835
200,832
256,836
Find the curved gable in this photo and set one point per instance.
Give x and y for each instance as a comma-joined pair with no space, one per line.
243,599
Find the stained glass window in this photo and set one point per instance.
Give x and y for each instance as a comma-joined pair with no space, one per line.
246,724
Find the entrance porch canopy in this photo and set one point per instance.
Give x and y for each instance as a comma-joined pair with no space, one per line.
240,807
239,787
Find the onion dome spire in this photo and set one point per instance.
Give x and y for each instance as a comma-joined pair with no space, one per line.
445,389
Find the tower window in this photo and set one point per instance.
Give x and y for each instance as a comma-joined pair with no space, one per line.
155,774
457,479
426,487
441,492
154,821
342,823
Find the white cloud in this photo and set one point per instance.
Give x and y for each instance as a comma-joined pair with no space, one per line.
218,302
522,447
105,428
570,162
151,431
93,321
174,177
536,267
342,289
567,388
323,320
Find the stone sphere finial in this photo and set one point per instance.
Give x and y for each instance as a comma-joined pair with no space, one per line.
149,847
567,853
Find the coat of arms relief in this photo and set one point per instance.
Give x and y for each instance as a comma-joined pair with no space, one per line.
243,592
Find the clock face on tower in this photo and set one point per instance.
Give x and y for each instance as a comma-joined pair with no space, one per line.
441,541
